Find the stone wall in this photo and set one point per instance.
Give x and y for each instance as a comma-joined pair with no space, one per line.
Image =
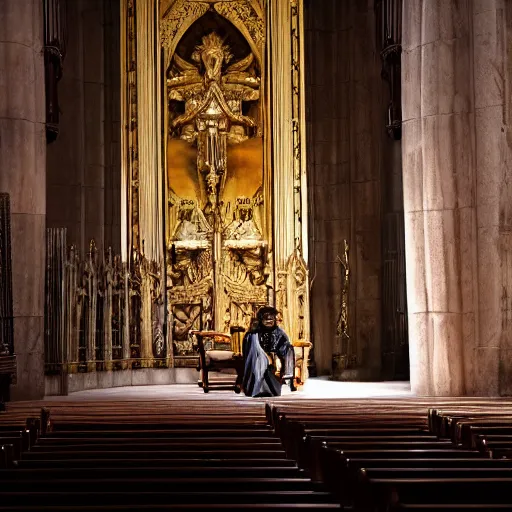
367,135
83,169
345,123
112,129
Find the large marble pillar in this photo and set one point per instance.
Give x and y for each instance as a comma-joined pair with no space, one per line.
439,205
458,195
22,175
491,356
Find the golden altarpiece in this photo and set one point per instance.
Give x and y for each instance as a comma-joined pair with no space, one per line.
214,180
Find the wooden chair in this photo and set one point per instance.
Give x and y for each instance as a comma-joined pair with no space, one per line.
216,354
301,349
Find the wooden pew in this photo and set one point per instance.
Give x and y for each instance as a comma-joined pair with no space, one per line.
484,507
395,472
190,458
291,426
211,440
142,498
308,456
380,494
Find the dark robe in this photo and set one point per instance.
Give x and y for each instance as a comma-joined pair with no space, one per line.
259,374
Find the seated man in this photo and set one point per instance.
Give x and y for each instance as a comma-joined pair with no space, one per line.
266,338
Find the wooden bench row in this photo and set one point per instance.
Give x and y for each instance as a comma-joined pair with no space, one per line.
193,460
407,458
368,455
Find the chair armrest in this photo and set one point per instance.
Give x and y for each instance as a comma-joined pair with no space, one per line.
211,334
302,344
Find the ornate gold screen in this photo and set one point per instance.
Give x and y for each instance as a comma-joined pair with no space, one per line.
214,168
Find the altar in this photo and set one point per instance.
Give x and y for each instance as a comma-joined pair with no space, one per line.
214,175
213,199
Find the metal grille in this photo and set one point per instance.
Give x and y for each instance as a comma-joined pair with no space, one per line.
99,338
55,38
6,311
54,345
395,348
389,22
388,15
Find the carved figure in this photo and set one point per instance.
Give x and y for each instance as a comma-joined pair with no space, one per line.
186,317
212,91
192,224
246,246
213,114
212,95
243,226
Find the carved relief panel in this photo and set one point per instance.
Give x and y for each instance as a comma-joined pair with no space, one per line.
217,209
213,168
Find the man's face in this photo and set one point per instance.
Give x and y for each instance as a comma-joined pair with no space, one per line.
268,320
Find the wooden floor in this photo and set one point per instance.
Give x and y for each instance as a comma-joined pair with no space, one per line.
178,449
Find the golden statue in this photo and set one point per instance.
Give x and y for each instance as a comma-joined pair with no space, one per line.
213,109
218,217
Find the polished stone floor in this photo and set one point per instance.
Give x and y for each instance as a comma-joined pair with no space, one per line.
314,388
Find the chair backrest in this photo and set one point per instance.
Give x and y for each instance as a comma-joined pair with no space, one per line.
217,341
237,334
212,340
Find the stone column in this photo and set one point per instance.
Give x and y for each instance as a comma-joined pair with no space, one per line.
438,175
491,356
22,175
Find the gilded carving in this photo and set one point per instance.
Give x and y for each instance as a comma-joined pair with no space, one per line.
220,173
150,294
132,127
296,118
244,15
112,318
179,16
342,323
118,312
281,296
217,254
298,296
71,323
91,277
343,358
108,308
245,267
135,309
